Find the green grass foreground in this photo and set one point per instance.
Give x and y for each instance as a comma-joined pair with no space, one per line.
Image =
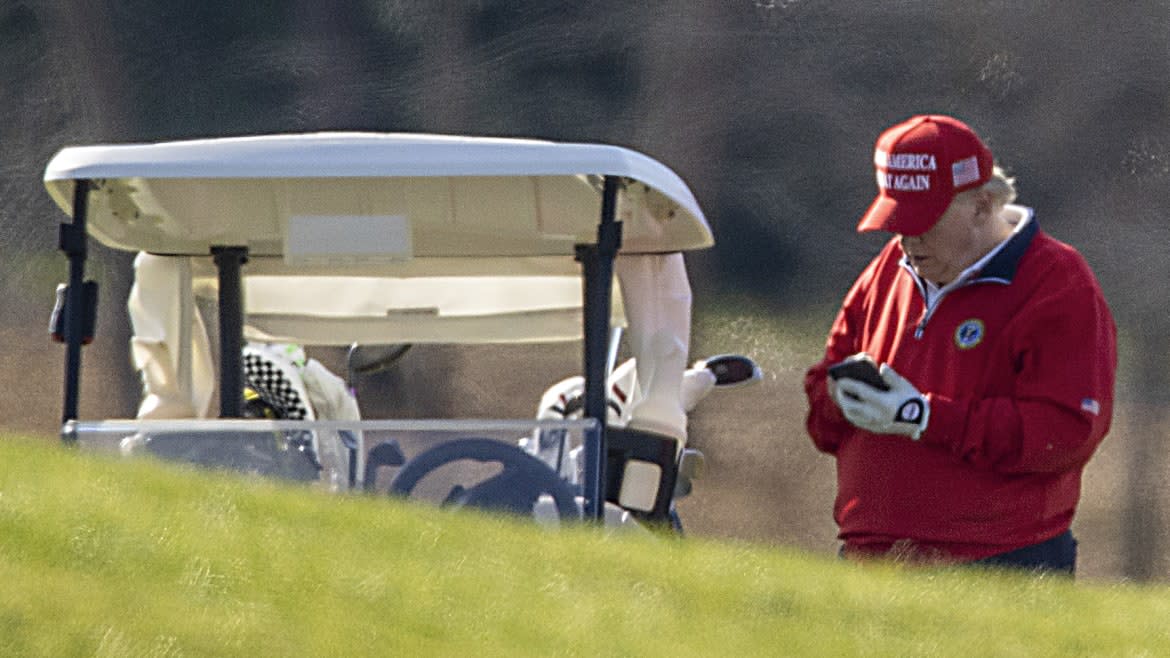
128,558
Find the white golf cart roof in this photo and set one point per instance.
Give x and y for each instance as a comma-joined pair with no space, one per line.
335,198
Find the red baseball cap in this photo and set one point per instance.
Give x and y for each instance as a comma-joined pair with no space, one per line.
922,163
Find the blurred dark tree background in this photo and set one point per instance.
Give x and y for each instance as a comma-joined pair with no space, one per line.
768,108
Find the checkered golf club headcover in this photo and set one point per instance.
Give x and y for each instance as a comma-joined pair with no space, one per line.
277,382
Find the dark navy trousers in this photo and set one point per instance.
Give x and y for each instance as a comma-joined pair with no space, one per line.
1057,555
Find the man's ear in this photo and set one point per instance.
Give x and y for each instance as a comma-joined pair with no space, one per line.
984,205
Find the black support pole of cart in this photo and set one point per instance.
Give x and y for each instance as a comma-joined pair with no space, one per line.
597,264
229,262
72,240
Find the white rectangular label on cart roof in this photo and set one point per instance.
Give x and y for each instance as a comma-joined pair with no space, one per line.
347,239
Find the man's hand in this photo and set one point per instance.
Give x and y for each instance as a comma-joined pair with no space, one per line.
900,410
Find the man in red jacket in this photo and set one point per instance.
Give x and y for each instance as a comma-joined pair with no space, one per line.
968,377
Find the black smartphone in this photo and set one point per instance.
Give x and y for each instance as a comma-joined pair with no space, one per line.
860,369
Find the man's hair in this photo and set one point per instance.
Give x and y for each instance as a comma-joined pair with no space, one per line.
1001,187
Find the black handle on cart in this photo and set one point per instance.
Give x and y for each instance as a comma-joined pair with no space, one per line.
72,240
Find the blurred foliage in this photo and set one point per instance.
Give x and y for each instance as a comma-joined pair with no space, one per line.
768,108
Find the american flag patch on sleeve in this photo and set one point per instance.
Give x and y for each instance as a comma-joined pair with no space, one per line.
1090,405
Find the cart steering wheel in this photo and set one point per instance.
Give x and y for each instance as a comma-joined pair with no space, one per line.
515,489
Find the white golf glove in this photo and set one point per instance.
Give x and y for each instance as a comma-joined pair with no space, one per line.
900,410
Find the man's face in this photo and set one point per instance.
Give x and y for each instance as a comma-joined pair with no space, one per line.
952,245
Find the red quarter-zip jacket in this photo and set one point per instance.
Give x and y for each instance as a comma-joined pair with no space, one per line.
1018,366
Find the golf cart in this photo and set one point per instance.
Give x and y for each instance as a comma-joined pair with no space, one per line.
377,241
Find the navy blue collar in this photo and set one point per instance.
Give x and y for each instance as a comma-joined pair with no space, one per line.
1003,264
